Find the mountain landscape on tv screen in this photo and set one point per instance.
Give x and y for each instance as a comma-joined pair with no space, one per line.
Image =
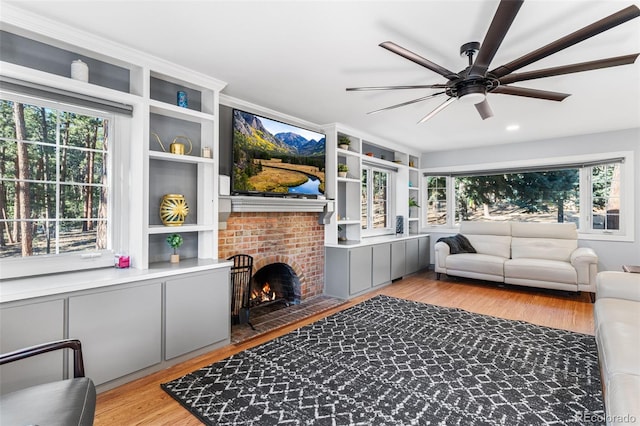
284,162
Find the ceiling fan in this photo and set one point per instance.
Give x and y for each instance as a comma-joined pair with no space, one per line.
472,84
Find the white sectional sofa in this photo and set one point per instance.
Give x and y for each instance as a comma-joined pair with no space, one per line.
544,255
617,325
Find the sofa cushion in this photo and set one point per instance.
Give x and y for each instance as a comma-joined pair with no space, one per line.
492,245
609,310
485,228
564,231
543,248
619,285
617,343
621,399
541,270
478,263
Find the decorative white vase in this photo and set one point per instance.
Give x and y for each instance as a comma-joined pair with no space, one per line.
79,71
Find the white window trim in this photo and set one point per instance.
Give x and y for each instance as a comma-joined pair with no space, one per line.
117,230
627,219
391,187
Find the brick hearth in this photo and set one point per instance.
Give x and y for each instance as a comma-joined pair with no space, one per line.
292,238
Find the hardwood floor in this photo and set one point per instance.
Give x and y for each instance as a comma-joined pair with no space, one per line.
143,402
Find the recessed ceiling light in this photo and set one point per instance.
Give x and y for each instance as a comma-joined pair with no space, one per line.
513,127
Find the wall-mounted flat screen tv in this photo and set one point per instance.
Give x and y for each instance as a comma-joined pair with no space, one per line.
272,157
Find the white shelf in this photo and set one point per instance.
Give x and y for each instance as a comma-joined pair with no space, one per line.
347,179
414,188
174,111
386,163
161,229
346,152
167,156
349,222
413,219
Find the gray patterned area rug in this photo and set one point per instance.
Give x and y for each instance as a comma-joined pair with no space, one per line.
389,361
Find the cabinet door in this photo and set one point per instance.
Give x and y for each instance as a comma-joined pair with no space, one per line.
28,325
398,267
197,311
120,330
423,250
359,269
336,272
381,264
412,256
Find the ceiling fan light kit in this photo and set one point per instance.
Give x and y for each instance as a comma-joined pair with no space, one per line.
471,85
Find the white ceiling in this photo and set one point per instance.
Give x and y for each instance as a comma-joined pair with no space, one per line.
297,57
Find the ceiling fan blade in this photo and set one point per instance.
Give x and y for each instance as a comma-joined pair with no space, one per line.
407,54
602,25
502,20
568,69
437,110
530,93
484,109
424,98
420,86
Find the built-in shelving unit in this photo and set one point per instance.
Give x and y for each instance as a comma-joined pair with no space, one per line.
348,188
413,221
345,225
190,174
150,85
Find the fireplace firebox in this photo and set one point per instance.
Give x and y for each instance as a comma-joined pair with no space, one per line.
275,286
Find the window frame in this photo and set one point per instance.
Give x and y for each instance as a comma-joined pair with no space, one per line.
117,227
389,226
427,195
585,231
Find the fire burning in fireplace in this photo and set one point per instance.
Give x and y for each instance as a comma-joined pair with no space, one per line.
265,294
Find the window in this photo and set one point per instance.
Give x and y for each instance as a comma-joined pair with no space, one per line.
605,196
590,194
546,196
55,198
436,200
376,210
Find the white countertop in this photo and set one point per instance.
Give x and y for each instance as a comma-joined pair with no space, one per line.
47,285
368,241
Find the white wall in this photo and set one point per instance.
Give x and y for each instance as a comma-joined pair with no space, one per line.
612,254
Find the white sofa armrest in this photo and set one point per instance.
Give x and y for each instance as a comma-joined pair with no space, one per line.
442,251
585,261
618,285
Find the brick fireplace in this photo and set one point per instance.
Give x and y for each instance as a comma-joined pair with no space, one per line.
293,238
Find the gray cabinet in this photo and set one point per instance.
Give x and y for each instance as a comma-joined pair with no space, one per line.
411,256
120,330
423,253
347,271
26,325
398,267
359,269
197,311
351,271
381,264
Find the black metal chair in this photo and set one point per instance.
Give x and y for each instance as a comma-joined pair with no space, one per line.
64,402
241,273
